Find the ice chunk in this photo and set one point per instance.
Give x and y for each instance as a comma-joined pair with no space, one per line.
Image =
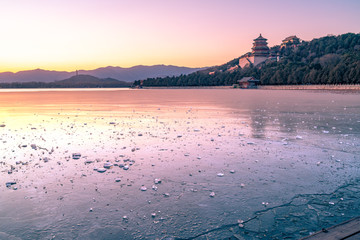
108,165
101,170
157,181
76,156
9,184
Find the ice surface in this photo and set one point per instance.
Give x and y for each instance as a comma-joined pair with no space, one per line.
289,163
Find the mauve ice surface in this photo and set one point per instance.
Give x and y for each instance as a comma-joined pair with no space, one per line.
201,163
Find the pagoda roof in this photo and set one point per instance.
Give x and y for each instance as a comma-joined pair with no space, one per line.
290,38
260,38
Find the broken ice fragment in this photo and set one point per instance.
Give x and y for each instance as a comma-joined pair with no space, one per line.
108,165
101,170
9,184
157,180
76,156
117,179
220,174
143,188
212,194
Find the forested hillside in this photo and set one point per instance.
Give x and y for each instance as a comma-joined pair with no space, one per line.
327,60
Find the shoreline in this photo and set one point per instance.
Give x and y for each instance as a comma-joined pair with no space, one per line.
350,87
271,87
311,87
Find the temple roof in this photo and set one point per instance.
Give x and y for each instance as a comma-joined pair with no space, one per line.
260,38
291,38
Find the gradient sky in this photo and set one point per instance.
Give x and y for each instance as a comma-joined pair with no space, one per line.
87,34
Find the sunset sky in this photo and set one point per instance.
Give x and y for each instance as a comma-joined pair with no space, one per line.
87,34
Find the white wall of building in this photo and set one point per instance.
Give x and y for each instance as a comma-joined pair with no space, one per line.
255,60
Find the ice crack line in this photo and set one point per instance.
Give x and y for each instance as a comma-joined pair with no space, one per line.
309,200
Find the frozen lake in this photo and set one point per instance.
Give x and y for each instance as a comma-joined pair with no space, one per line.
202,163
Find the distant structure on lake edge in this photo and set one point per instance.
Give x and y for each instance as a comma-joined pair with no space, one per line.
247,82
261,52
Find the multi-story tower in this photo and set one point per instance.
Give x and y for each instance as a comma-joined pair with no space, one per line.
260,47
259,54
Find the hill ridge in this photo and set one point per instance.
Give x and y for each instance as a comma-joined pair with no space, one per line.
130,74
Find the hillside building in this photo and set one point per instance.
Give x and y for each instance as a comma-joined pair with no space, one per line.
259,54
291,41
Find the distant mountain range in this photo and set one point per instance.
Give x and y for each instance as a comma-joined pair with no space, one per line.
118,73
77,81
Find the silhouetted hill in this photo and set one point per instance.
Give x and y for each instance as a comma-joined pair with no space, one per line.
78,81
87,81
139,72
37,75
122,74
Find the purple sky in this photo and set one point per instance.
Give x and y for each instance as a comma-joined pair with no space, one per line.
85,34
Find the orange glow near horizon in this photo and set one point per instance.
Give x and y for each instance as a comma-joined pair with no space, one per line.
67,35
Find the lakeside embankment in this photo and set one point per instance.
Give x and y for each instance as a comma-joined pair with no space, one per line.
273,87
311,87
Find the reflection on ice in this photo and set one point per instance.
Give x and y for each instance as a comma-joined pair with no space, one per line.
183,163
